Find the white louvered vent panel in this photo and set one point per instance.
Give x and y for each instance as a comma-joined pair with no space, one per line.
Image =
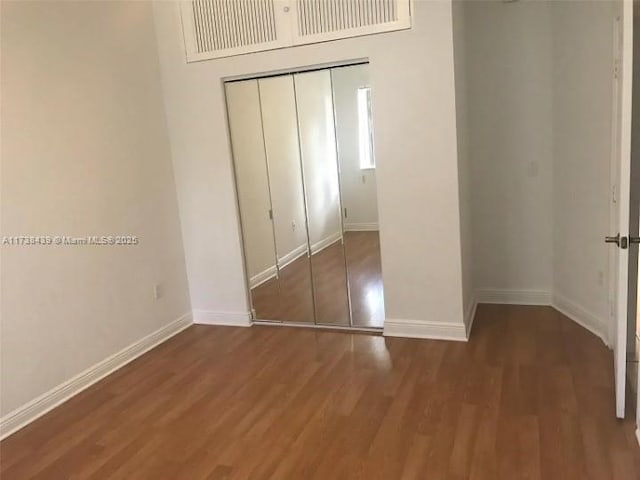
322,20
323,16
222,28
225,24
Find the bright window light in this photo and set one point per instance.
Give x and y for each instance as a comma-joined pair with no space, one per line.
365,130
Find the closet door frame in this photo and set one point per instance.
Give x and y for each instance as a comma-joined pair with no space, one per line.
292,73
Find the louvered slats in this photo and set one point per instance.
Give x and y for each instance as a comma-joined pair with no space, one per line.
230,24
322,16
222,28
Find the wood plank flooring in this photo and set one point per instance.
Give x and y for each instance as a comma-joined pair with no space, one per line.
529,396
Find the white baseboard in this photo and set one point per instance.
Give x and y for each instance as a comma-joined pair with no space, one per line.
232,319
292,256
263,276
37,407
425,329
325,242
581,317
513,297
361,227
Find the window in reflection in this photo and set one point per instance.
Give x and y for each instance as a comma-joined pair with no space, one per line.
365,129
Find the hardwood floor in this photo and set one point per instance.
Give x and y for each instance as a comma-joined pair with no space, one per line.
529,396
288,298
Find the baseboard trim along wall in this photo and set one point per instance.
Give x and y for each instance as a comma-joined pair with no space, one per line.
425,329
514,297
361,227
231,319
535,297
581,317
26,414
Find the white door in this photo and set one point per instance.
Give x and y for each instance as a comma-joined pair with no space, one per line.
621,205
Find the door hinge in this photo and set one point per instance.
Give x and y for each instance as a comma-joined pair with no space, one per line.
345,212
270,214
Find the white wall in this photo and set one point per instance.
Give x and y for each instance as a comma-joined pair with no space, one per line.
414,119
357,186
509,70
582,110
464,161
84,152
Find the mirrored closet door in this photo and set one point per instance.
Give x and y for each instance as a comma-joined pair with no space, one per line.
316,129
305,180
270,198
356,160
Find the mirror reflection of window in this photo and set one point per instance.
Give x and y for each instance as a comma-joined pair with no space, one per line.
365,129
352,96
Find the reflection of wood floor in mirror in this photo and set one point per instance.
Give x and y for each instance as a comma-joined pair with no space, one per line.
365,278
288,298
